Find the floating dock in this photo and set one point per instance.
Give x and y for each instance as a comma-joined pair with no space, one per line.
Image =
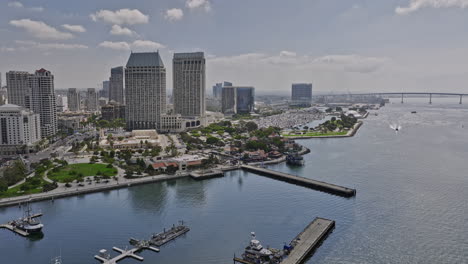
169,235
306,182
208,174
123,254
308,240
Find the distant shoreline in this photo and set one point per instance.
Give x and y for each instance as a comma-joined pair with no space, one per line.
350,133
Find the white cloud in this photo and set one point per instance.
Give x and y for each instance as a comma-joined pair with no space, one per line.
415,5
7,49
49,46
37,9
40,29
147,44
121,31
286,53
137,44
195,4
174,14
15,4
74,28
121,17
115,45
353,62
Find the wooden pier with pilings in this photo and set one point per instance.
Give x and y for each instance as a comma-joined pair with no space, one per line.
306,182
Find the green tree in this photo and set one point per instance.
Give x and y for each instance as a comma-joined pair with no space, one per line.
251,126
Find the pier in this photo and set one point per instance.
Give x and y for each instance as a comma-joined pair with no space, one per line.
301,181
308,240
123,254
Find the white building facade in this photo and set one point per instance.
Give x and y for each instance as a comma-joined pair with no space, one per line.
20,129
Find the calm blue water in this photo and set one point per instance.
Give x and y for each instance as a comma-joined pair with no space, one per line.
410,205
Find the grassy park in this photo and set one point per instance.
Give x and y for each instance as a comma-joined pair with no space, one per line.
317,134
73,172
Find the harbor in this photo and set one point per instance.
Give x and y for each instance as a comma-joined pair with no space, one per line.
305,182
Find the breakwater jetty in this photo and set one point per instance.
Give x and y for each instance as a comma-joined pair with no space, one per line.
301,181
308,240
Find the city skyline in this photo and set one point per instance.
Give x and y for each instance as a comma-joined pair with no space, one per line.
356,46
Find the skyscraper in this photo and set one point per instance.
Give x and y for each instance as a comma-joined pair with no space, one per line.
43,100
217,90
189,84
145,90
73,100
105,89
116,85
245,100
301,94
91,100
19,92
229,100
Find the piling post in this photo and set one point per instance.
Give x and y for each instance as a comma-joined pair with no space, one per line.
461,96
430,98
401,97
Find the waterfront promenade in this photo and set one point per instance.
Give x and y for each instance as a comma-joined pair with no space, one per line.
62,191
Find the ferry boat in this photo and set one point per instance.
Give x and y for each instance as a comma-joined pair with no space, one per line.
29,223
294,159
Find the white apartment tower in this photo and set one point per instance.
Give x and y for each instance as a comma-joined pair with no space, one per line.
19,127
43,100
19,92
145,90
91,100
189,84
116,85
73,100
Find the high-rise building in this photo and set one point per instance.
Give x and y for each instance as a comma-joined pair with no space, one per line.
60,104
145,90
73,100
20,129
189,84
229,100
245,100
116,86
91,100
18,90
218,89
301,94
43,100
105,89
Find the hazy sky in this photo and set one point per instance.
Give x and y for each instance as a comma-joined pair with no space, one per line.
338,45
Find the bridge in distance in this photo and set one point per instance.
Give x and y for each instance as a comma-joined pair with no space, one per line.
393,94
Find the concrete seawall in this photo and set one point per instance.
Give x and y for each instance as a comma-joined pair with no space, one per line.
305,182
111,186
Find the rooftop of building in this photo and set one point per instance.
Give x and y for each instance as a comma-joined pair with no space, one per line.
145,59
189,55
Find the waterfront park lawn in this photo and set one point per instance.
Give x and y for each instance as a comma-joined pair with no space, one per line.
317,134
79,171
30,187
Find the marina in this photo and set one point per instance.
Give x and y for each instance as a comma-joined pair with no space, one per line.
306,182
